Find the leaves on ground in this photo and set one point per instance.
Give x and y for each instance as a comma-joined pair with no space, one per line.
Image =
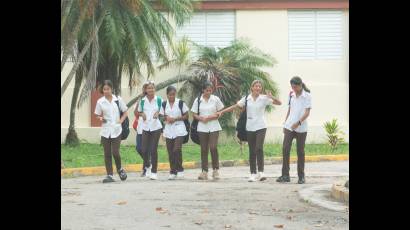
199,222
122,202
278,226
227,226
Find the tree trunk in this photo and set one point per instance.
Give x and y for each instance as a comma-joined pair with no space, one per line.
162,85
81,56
72,138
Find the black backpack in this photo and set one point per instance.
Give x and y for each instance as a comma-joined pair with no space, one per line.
186,122
194,126
125,124
241,124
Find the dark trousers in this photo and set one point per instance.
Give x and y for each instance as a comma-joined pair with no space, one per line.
209,141
138,146
111,149
174,148
150,148
300,149
255,143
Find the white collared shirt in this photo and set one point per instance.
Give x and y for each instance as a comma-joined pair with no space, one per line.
297,109
150,108
176,129
255,112
111,113
213,105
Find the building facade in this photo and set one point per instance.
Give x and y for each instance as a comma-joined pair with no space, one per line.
309,39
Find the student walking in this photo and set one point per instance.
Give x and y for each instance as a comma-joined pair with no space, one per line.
107,110
205,108
255,104
149,108
175,112
138,139
295,126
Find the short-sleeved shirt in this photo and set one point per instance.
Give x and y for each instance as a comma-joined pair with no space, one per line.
176,129
206,108
298,105
255,111
110,112
150,108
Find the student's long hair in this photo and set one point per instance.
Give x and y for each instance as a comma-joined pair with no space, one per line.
105,83
298,81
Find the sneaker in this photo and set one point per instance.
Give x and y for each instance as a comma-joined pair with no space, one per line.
283,179
172,177
148,172
108,179
180,175
252,178
203,176
153,176
123,175
261,176
215,174
301,180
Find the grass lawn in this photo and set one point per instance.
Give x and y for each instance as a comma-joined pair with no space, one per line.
92,154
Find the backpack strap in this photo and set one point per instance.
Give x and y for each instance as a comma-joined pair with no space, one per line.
159,102
180,105
142,105
199,101
246,101
290,97
164,104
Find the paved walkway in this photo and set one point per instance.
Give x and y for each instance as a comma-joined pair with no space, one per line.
230,203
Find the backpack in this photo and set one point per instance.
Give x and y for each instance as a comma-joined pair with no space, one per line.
159,102
186,122
125,124
194,126
241,124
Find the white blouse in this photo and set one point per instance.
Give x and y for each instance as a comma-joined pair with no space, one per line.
150,108
110,112
255,111
206,108
176,129
298,105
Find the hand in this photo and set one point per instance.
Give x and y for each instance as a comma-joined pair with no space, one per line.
219,114
100,118
170,120
269,95
156,115
203,119
295,126
144,117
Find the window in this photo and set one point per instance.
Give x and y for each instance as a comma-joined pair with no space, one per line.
216,28
315,34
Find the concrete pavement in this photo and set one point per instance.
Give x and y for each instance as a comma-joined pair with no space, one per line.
230,203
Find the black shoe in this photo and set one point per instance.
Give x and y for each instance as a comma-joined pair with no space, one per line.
123,175
301,180
283,179
108,179
144,171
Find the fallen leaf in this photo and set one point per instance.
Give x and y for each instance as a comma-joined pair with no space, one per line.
122,202
252,212
290,210
275,209
278,226
161,210
198,222
158,209
289,217
228,226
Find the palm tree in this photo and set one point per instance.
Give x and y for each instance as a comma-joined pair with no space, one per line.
130,29
114,37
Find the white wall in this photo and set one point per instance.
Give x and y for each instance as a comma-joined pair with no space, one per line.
327,79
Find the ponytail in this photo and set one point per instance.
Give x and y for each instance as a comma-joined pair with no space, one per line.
305,88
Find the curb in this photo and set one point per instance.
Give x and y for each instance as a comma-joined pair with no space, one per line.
94,171
340,192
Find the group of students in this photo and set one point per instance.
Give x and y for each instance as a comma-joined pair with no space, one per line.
206,109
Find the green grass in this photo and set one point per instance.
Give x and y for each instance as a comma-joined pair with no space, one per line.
87,155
